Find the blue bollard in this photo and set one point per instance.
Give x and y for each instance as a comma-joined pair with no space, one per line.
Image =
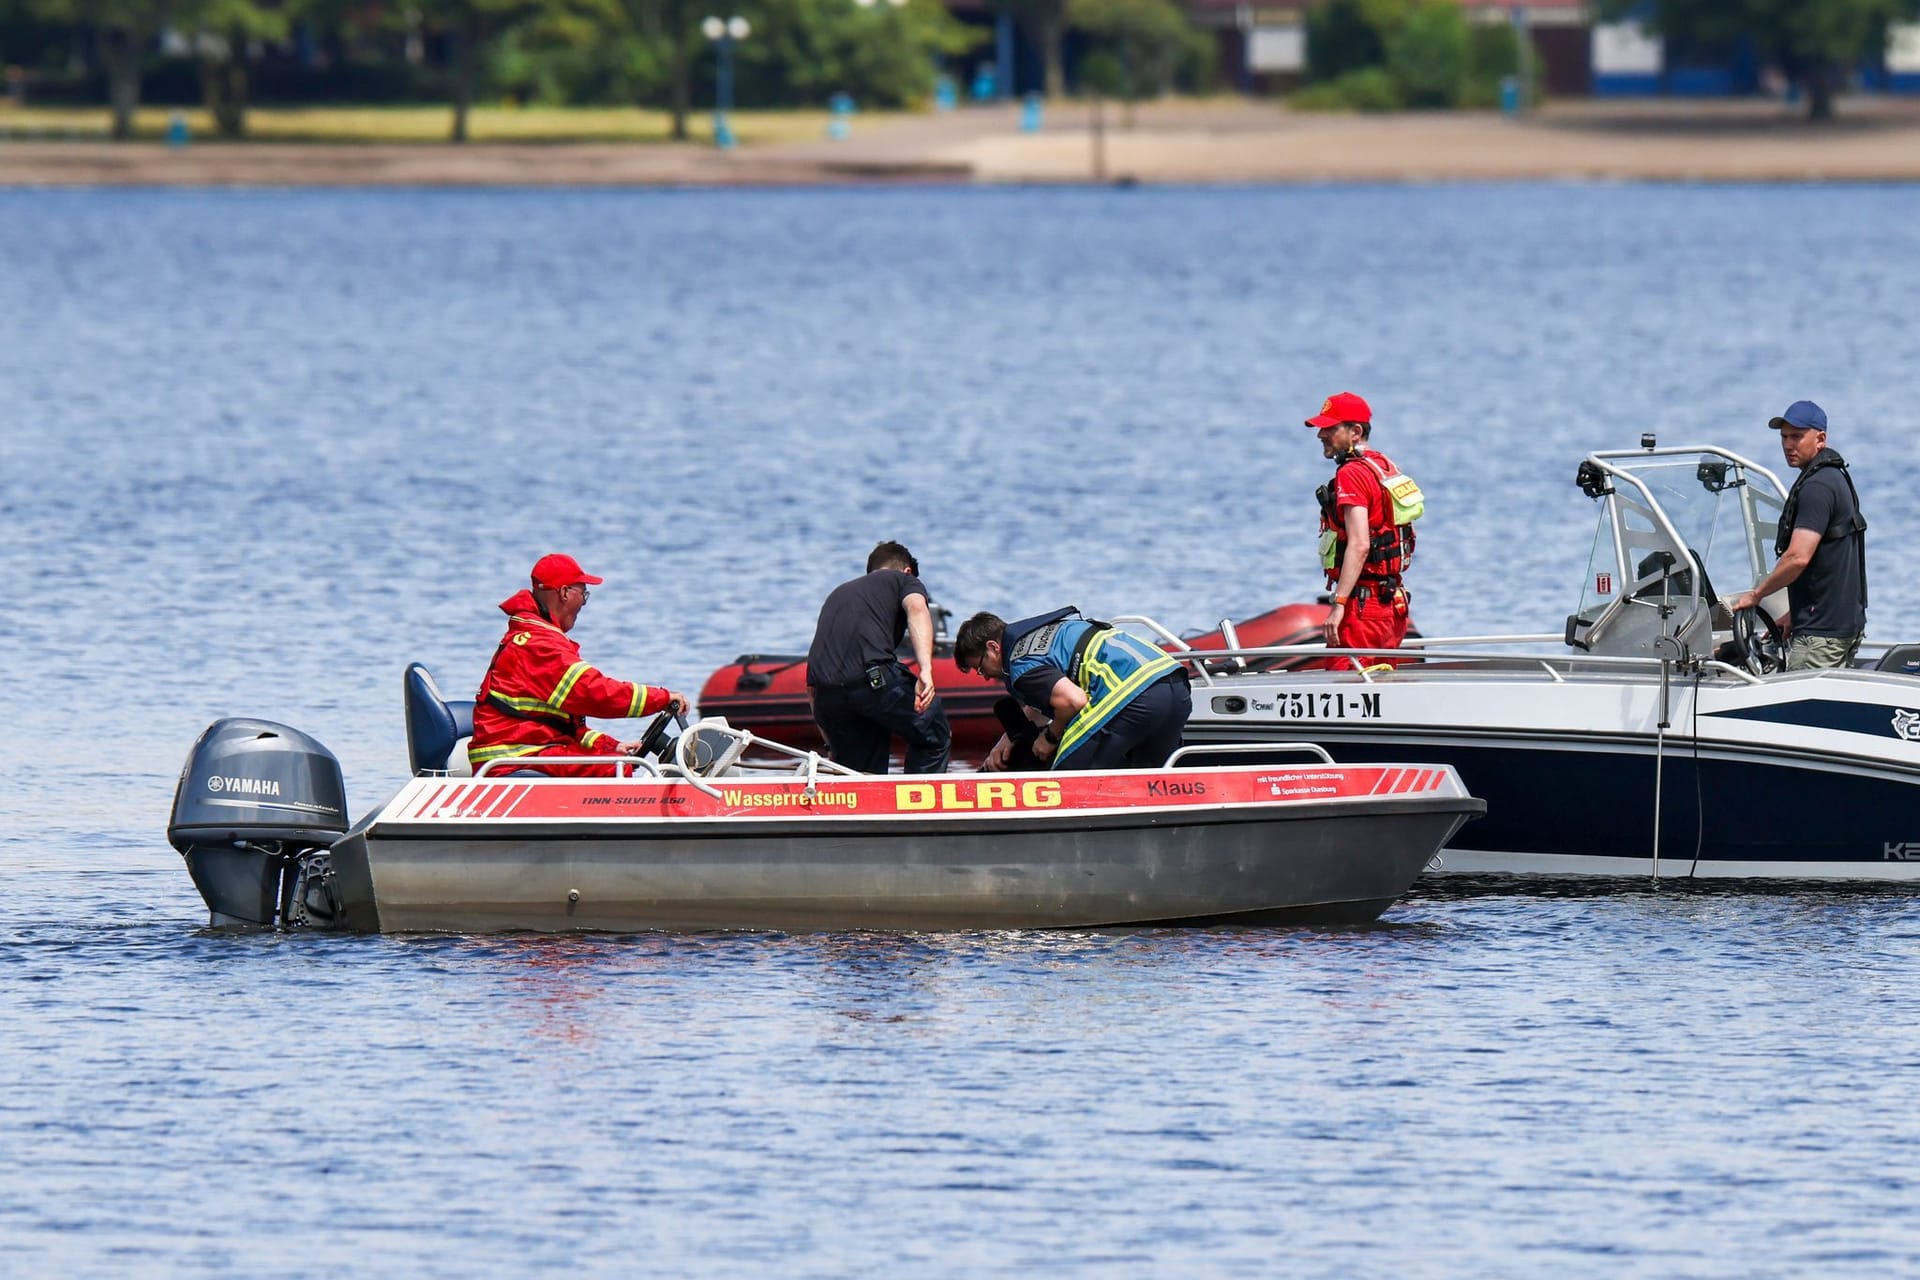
946,95
1510,95
841,125
985,87
177,133
722,132
1030,113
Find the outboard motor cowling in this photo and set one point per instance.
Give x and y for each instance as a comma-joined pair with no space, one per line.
253,797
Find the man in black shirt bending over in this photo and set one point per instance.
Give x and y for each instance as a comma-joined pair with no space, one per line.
861,693
1822,548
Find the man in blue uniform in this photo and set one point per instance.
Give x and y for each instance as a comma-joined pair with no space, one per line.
1104,699
1821,548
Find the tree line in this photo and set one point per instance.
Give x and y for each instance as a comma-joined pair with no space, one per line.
1367,54
652,53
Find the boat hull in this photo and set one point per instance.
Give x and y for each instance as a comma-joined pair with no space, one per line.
1799,778
1342,859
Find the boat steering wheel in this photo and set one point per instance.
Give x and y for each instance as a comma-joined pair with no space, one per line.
1761,648
655,737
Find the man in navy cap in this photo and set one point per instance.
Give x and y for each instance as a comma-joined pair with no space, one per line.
1822,548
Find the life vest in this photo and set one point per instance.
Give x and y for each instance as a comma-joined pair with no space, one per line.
1390,548
1110,666
1855,528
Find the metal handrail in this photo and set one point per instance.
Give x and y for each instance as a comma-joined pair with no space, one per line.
1550,665
527,762
1198,659
1422,642
1142,620
813,761
1234,748
1327,651
1603,456
700,784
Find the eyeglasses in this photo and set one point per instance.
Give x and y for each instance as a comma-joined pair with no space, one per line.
977,669
581,587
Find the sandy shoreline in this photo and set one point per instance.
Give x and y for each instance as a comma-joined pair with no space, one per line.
1875,141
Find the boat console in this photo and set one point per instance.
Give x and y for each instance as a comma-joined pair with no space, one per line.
1673,525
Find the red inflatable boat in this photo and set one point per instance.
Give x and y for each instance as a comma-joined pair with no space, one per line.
767,693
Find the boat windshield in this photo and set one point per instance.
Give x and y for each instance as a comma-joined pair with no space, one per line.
1675,530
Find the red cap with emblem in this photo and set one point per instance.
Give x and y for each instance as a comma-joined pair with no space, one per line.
557,571
1336,409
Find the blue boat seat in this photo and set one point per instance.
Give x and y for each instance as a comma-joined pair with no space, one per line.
435,726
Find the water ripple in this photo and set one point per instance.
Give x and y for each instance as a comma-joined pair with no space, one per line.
265,448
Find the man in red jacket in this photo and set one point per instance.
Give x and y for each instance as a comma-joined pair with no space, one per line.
537,692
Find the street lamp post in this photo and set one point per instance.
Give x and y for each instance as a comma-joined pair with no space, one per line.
724,32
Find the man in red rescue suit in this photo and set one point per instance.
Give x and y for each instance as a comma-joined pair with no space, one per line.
537,692
1364,551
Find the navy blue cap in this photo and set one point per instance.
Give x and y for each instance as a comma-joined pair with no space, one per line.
1803,414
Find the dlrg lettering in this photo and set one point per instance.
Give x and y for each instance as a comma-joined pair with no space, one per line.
1033,794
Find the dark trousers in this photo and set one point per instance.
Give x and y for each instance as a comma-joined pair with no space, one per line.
1141,734
860,722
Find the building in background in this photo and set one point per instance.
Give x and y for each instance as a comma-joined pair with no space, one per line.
1263,46
1263,50
1630,62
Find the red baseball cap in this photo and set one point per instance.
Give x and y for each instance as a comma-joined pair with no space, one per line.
557,571
1336,409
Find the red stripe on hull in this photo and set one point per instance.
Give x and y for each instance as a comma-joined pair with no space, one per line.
655,799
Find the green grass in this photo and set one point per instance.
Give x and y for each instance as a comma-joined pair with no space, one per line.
424,124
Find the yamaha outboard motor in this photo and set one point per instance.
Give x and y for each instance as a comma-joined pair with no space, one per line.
254,796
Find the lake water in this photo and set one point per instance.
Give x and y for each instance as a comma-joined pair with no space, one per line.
262,449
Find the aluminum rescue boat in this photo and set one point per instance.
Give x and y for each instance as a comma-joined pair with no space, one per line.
1656,734
698,839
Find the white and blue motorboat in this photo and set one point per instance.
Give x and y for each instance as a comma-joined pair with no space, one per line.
1656,733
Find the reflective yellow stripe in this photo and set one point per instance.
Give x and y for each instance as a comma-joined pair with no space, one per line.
1095,713
480,755
567,681
526,704
639,700
590,737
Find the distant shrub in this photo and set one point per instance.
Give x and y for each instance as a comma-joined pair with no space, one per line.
1102,73
1197,69
1429,55
1368,89
1341,37
1494,55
